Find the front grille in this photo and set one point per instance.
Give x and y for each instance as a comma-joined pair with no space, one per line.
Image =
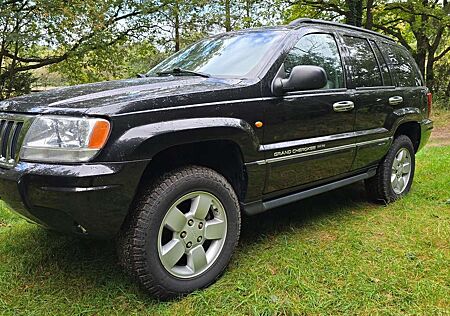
11,135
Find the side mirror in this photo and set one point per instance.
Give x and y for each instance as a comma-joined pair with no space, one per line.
301,78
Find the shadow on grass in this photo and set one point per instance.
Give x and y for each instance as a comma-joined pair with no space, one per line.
92,264
341,201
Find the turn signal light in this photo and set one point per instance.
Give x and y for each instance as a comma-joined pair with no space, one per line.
99,135
259,124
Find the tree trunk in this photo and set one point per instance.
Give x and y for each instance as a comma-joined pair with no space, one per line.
227,15
12,73
354,13
420,56
177,27
369,15
429,73
2,51
248,6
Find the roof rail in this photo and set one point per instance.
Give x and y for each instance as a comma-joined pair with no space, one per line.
300,21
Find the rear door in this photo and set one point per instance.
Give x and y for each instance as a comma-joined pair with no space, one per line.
407,75
373,89
307,138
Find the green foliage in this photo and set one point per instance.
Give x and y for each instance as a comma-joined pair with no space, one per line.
423,27
35,34
17,84
122,60
441,102
91,40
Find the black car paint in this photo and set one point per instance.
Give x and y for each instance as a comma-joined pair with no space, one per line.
149,115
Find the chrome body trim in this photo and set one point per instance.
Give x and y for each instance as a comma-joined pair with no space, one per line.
320,151
308,141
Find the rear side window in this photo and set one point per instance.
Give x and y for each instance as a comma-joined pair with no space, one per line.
317,50
405,70
387,80
363,64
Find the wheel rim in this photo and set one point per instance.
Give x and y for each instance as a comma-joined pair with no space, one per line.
401,170
192,234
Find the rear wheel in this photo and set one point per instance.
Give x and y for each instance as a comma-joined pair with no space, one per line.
395,172
182,233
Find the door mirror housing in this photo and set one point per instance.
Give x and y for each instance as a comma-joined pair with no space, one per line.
304,77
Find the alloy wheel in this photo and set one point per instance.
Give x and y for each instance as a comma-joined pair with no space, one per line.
401,170
192,234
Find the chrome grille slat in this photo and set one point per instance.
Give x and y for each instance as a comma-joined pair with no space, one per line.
2,140
15,137
12,131
5,140
9,156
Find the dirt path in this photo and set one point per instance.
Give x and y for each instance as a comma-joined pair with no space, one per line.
441,131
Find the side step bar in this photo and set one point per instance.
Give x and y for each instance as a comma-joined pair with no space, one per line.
259,207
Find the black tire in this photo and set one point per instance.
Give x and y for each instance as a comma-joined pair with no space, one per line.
138,241
379,187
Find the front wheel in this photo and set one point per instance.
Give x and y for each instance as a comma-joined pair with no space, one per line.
182,233
395,172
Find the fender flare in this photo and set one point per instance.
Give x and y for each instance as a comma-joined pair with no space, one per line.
144,142
403,115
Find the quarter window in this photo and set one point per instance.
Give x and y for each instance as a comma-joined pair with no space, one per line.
400,61
363,64
317,50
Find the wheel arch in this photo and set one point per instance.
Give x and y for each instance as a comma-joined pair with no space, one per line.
223,156
412,130
145,141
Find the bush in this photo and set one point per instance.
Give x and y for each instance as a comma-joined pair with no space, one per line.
441,102
19,84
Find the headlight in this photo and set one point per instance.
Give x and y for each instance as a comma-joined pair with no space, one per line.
64,139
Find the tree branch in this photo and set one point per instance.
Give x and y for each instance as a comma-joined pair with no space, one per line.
442,54
27,59
396,34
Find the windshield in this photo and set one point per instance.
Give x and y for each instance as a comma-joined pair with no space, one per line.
233,55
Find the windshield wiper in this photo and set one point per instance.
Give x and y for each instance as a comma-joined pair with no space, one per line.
175,71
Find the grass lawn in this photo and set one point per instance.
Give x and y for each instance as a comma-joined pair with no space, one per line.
330,254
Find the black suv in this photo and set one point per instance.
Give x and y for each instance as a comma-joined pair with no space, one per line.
238,123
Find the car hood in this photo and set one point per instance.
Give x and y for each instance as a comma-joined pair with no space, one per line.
120,96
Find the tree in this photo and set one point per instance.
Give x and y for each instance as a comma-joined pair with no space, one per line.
420,25
65,28
124,59
350,11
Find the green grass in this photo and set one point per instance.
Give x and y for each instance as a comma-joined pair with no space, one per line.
331,254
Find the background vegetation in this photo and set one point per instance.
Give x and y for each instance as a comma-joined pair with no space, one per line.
52,42
331,254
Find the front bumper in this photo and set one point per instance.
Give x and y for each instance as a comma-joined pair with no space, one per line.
88,199
426,126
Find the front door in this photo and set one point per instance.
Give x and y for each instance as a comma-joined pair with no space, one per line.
308,134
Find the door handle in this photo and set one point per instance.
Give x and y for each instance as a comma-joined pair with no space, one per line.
343,106
395,100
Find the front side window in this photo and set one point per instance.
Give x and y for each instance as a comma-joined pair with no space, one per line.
363,65
317,50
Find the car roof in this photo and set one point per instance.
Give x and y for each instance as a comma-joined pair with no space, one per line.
304,22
